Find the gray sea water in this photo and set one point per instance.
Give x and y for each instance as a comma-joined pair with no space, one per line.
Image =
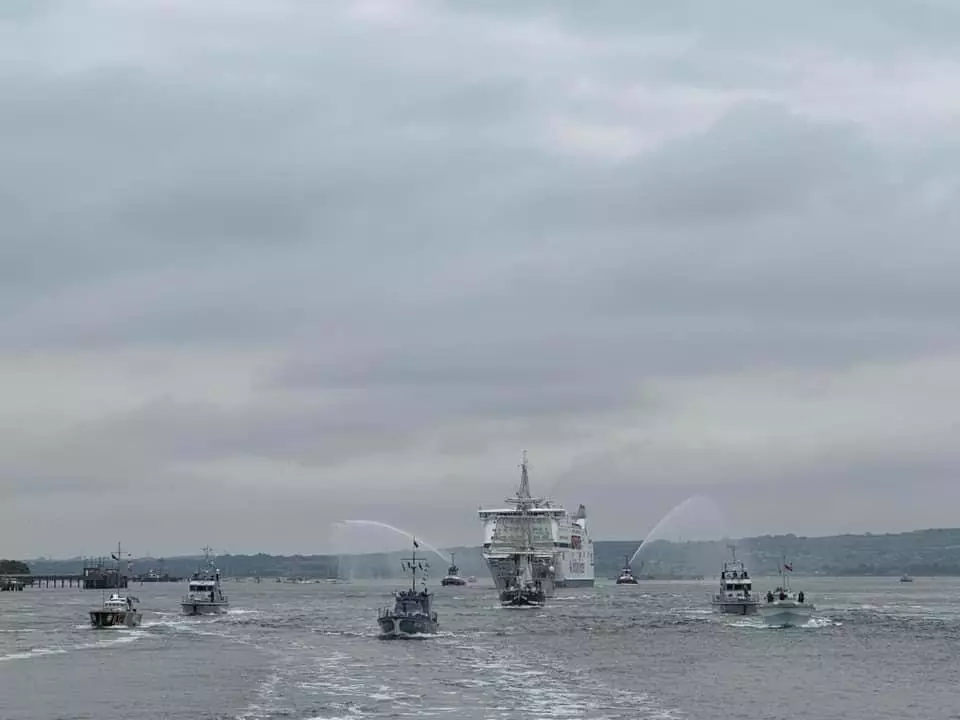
877,649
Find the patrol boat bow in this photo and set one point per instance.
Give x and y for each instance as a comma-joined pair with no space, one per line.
736,596
117,610
412,615
204,594
783,607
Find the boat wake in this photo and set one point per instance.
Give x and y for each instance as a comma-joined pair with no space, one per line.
119,636
814,623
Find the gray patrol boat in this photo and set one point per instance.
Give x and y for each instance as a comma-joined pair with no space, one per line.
412,615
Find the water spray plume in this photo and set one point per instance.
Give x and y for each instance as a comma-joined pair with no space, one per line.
398,531
700,507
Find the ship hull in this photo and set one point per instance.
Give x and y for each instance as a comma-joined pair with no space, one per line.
786,615
525,597
115,618
456,581
736,608
502,571
204,608
575,583
405,627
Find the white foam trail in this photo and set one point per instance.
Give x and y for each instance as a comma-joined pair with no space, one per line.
34,653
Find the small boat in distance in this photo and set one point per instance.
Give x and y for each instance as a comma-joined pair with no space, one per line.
905,578
736,596
204,594
783,607
412,615
453,574
626,574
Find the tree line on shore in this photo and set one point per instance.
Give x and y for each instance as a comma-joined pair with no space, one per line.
920,553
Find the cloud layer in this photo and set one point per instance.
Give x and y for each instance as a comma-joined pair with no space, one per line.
270,265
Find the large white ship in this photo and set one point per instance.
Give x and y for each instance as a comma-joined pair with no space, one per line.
537,540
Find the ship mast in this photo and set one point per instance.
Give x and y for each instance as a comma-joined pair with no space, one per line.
524,492
412,566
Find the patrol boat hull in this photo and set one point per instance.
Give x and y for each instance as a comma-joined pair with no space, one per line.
736,608
204,608
405,627
115,618
786,614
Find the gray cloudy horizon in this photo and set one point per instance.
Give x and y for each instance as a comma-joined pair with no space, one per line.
270,265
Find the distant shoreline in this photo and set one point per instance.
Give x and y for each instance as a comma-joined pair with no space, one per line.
920,553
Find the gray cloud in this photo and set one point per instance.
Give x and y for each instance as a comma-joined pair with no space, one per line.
308,262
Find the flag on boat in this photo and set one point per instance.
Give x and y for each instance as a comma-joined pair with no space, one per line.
415,543
788,567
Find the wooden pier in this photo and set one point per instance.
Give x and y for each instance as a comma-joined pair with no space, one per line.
50,581
94,577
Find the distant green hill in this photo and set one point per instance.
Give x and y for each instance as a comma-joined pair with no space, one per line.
921,553
13,567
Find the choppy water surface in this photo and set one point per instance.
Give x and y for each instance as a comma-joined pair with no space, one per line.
878,649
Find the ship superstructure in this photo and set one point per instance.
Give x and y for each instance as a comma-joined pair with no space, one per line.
536,538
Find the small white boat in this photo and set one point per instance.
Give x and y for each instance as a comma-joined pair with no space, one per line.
905,578
783,607
204,595
736,596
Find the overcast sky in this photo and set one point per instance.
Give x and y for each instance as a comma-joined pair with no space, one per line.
267,265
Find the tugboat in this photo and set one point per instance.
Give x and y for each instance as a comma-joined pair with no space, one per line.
204,595
453,574
522,589
626,575
783,607
411,616
735,596
117,610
